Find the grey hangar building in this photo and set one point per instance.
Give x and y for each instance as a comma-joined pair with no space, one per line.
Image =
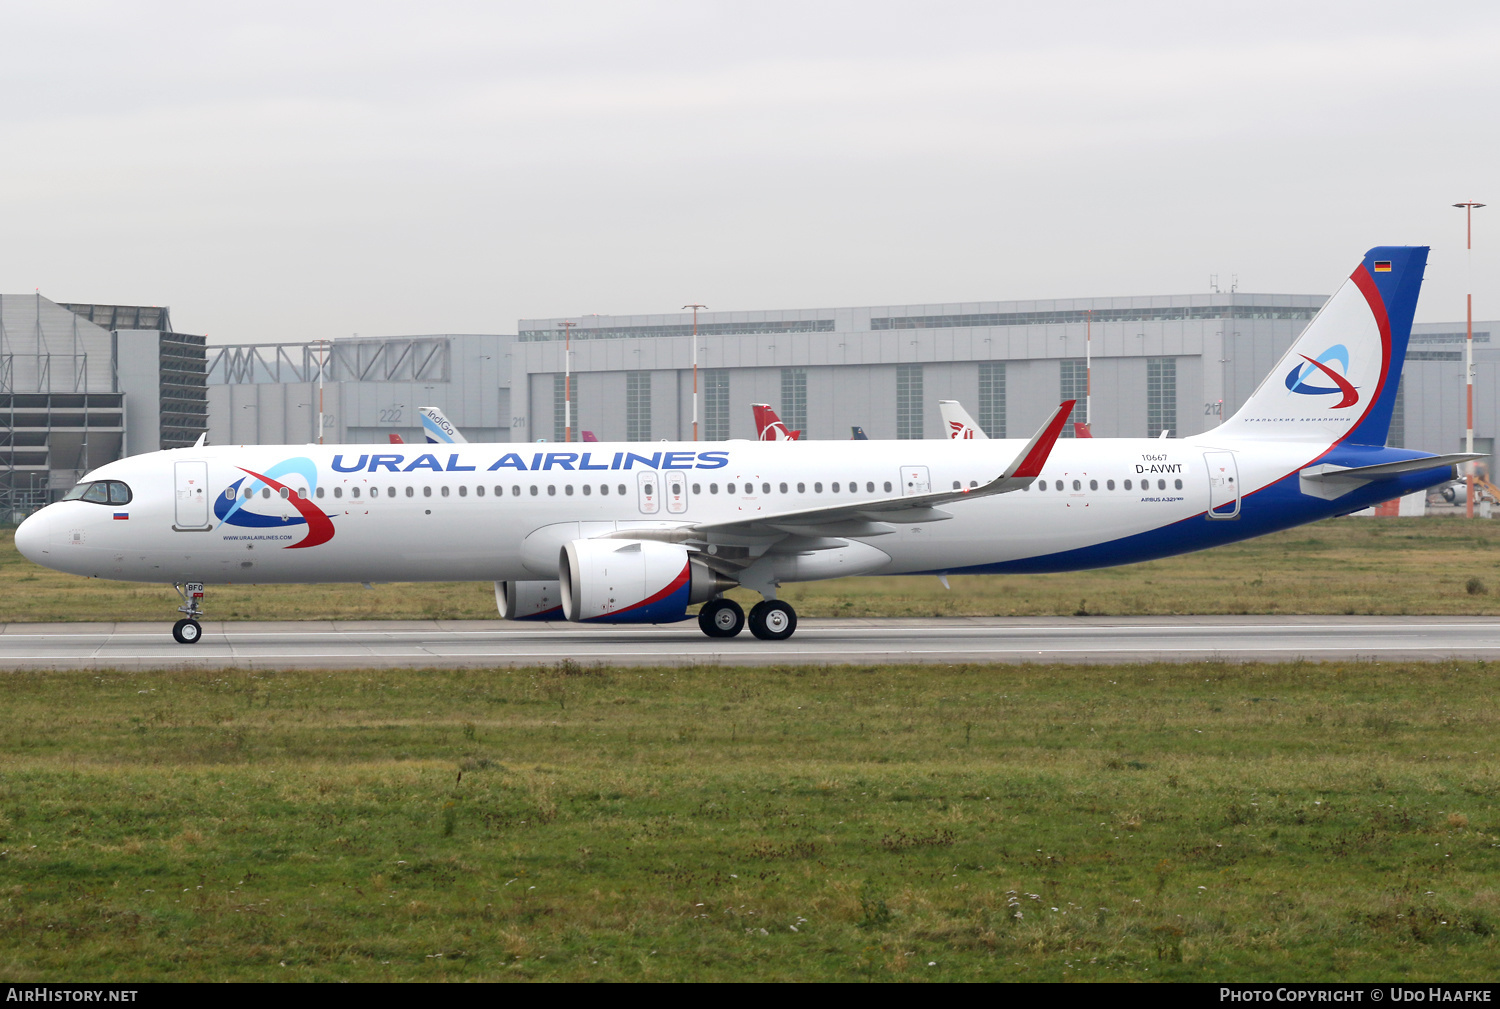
1174,363
82,384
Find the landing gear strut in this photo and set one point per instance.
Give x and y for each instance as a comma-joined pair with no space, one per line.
772,620
721,618
188,631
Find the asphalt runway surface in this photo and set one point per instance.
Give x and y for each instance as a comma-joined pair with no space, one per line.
479,643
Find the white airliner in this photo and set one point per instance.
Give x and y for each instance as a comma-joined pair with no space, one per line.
616,533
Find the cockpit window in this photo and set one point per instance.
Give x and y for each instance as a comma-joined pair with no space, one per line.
105,492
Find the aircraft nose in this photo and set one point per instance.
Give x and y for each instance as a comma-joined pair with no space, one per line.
33,536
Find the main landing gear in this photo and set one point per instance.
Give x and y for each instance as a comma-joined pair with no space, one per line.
188,631
721,618
769,620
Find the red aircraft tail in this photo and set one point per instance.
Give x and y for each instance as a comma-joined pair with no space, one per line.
768,426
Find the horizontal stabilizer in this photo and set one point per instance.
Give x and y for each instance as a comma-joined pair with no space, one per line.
1329,481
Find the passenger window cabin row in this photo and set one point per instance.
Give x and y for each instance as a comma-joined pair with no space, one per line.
1145,484
116,493
113,492
748,487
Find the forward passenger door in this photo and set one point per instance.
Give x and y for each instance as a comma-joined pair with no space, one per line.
192,496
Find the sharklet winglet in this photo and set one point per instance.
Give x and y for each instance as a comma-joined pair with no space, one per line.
1034,456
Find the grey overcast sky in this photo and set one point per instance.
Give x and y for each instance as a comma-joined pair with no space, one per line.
294,171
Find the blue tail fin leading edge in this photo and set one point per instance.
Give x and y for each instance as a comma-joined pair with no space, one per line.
1337,383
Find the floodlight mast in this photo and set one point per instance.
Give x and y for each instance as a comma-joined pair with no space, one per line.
1088,375
1468,208
695,367
567,328
322,350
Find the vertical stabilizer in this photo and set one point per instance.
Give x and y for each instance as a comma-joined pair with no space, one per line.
960,425
1338,382
769,427
438,428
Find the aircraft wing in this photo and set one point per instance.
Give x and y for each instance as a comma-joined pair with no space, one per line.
868,518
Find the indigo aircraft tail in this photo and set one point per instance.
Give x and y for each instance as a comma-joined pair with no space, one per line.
438,428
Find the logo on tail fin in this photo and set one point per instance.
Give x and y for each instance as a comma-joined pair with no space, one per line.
1296,378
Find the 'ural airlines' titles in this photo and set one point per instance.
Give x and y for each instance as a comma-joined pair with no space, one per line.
571,461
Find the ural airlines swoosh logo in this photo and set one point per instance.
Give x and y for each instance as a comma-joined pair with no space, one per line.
1296,379
233,508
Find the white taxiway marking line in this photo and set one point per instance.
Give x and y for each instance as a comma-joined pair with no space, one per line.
810,632
304,656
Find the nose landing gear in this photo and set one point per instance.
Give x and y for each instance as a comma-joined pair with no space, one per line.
188,631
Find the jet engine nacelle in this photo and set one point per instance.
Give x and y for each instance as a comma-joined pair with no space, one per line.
528,600
633,581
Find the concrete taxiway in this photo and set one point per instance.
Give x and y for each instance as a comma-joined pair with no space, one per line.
356,644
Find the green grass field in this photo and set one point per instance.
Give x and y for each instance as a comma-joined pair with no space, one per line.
1395,566
1184,822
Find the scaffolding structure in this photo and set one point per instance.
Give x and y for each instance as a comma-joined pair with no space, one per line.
388,359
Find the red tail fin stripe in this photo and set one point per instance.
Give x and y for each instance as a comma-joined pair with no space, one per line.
1366,284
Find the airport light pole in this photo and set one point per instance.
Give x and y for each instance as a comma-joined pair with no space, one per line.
567,328
695,367
1088,375
322,350
1468,209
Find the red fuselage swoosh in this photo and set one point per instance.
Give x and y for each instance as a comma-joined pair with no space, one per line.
319,528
